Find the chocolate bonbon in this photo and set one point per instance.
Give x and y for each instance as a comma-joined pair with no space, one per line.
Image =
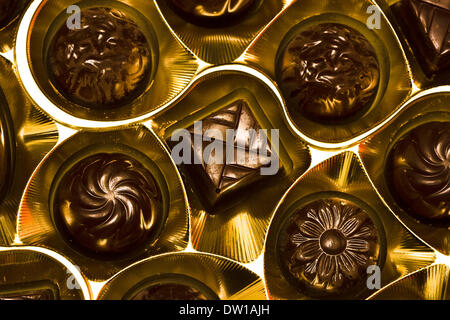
329,72
103,64
427,26
419,172
109,204
327,246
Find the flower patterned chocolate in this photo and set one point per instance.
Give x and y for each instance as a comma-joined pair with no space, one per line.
103,64
329,245
109,204
328,72
419,172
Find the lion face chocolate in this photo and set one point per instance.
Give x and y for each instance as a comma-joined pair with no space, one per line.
109,204
419,172
329,72
103,64
328,245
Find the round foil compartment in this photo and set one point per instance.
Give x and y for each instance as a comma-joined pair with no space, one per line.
38,274
93,222
226,195
394,85
339,180
376,154
170,66
219,36
211,277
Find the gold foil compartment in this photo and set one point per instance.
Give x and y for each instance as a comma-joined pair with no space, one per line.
395,84
29,135
227,279
173,69
29,273
220,45
343,177
236,225
430,283
428,106
36,223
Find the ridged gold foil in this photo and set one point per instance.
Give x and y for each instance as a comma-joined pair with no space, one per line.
237,230
36,225
425,107
342,176
227,279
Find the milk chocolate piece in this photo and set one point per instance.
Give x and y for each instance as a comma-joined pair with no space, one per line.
426,24
326,247
419,172
169,291
104,64
329,72
109,204
8,10
201,11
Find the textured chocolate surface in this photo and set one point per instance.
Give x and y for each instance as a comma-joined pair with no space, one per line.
328,245
170,291
8,9
328,72
211,9
103,64
427,26
419,172
109,203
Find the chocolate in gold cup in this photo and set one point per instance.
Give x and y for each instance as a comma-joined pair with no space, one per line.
331,233
232,203
408,164
430,283
339,79
184,276
218,32
26,137
37,274
124,63
106,200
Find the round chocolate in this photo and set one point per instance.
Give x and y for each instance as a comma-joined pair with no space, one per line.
329,72
212,10
169,291
109,204
419,172
105,63
326,247
8,10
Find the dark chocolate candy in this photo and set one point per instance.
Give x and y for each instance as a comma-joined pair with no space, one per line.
328,245
109,204
419,172
329,72
105,63
169,291
203,10
8,10
427,26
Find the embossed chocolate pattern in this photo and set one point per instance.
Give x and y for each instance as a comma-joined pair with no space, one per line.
170,291
427,25
329,72
212,8
109,203
103,63
8,9
328,245
419,172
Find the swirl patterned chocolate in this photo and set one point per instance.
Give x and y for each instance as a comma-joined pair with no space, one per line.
102,64
328,72
328,246
109,204
419,172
